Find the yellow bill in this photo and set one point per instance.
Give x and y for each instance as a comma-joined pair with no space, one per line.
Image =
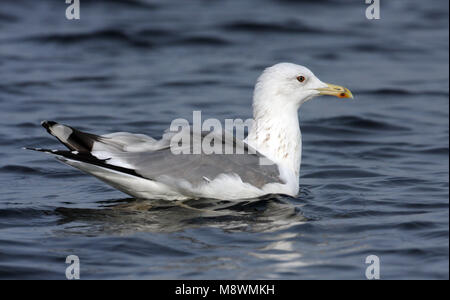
335,90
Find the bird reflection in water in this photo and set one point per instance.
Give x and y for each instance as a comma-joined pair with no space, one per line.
122,216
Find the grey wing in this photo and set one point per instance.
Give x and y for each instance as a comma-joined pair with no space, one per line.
196,168
250,166
144,156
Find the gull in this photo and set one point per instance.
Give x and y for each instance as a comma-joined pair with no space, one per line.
269,161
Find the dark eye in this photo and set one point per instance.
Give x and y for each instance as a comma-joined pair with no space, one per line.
301,78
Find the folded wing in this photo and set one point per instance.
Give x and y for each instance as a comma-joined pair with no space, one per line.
143,156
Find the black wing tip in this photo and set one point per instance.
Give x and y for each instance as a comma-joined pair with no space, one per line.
64,155
41,150
31,148
47,124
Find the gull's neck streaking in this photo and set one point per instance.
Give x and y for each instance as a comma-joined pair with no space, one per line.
279,93
276,133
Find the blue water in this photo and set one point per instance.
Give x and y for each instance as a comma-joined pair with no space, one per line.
374,174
